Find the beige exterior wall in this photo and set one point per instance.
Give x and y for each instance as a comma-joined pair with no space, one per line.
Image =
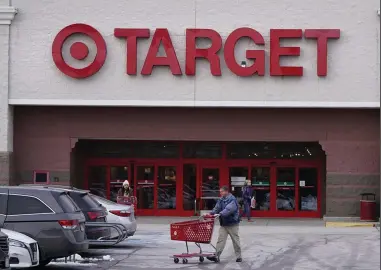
353,60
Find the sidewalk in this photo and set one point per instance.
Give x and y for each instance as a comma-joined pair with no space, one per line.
267,244
267,222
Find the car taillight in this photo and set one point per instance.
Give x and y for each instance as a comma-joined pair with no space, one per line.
94,215
121,213
69,224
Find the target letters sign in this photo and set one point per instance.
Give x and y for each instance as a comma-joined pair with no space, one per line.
161,37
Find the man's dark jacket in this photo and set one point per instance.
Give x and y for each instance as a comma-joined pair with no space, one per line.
228,210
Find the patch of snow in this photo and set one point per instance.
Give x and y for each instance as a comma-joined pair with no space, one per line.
107,258
72,264
83,261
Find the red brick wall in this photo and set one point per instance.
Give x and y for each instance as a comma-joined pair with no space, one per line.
349,137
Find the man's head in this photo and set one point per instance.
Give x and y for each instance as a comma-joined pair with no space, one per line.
224,191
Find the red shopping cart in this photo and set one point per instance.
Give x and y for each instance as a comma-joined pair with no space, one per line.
195,231
128,200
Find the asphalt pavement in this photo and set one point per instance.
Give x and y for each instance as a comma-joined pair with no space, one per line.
266,245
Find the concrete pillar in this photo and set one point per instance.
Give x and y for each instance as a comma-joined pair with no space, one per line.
7,14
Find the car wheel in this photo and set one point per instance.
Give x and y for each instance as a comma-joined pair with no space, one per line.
43,263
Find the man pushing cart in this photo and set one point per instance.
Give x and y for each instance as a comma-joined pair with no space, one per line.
200,231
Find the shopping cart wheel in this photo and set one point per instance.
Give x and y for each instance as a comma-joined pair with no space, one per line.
176,260
185,261
201,259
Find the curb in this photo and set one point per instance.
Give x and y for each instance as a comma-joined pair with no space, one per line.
349,224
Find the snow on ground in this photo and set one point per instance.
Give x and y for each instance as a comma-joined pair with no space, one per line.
263,247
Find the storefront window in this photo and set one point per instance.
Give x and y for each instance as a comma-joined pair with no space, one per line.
308,189
285,189
129,149
202,150
189,186
97,176
156,150
270,150
248,150
167,187
145,186
260,181
118,174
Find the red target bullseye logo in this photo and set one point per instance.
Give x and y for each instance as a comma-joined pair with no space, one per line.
79,51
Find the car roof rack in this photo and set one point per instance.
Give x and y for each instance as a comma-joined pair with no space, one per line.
54,186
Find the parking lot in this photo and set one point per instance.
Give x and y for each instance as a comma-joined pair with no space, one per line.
267,245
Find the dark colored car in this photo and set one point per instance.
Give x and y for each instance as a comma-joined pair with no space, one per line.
49,216
93,211
4,250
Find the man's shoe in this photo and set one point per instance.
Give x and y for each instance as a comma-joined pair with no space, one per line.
213,259
239,260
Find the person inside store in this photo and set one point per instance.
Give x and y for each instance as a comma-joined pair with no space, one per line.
228,211
125,190
247,194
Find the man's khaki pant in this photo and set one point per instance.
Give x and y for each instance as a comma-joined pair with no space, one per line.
233,231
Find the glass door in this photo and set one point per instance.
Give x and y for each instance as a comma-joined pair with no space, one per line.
210,186
285,188
238,176
308,189
166,187
261,182
118,174
145,186
189,187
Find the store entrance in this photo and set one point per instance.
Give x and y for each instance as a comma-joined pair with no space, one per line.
162,188
155,184
280,189
183,178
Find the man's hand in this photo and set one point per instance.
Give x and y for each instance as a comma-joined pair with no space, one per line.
211,215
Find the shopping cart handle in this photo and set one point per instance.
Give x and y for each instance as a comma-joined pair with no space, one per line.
208,216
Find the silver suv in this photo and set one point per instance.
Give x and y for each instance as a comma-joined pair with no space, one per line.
46,215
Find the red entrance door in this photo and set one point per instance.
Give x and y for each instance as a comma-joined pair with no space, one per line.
157,189
106,178
209,183
157,185
145,183
281,189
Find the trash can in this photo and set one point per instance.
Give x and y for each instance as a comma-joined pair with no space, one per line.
368,207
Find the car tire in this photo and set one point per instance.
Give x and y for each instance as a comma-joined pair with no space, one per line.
43,263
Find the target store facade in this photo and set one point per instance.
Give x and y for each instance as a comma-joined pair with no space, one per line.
182,97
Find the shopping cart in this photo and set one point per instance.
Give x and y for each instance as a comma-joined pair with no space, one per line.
128,200
196,231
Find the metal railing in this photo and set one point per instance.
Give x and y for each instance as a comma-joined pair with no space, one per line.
198,201
119,228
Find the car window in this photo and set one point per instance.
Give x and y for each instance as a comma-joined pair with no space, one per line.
67,204
84,201
90,201
23,205
3,204
103,200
